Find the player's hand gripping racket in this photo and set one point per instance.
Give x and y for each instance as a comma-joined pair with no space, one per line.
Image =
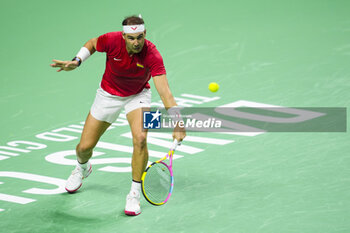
157,181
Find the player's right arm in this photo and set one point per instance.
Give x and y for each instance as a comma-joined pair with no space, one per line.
90,47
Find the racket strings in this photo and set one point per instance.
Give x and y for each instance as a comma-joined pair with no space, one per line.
157,183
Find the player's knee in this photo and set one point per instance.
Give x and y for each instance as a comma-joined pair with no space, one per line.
140,141
84,148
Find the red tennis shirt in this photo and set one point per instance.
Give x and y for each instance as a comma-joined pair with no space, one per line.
125,75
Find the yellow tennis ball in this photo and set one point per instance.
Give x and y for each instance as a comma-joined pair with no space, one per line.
213,87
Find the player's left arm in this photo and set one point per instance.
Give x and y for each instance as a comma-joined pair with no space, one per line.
163,89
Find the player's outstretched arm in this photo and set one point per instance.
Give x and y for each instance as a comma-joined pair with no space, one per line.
163,89
162,86
86,51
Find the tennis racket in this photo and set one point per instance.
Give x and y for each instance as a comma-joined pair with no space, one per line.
157,181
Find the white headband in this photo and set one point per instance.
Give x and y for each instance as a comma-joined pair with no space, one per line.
134,28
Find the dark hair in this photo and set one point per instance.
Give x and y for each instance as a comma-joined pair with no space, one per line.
132,20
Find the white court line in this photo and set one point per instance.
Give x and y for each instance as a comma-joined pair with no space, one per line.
15,199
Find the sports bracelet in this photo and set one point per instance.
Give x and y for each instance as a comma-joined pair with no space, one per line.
77,59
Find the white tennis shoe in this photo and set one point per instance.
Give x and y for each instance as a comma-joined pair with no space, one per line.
75,180
132,206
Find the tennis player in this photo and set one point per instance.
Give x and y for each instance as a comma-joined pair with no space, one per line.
131,61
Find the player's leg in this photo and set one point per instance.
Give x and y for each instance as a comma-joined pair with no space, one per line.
104,111
139,140
134,111
138,163
93,130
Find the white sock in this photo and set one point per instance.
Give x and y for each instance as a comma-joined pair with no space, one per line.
135,187
82,165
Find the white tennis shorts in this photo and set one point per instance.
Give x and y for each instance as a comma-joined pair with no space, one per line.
107,107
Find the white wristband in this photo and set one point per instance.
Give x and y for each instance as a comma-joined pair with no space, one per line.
83,53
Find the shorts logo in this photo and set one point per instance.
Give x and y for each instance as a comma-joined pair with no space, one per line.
140,65
151,120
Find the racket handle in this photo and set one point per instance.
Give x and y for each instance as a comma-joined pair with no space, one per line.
175,144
